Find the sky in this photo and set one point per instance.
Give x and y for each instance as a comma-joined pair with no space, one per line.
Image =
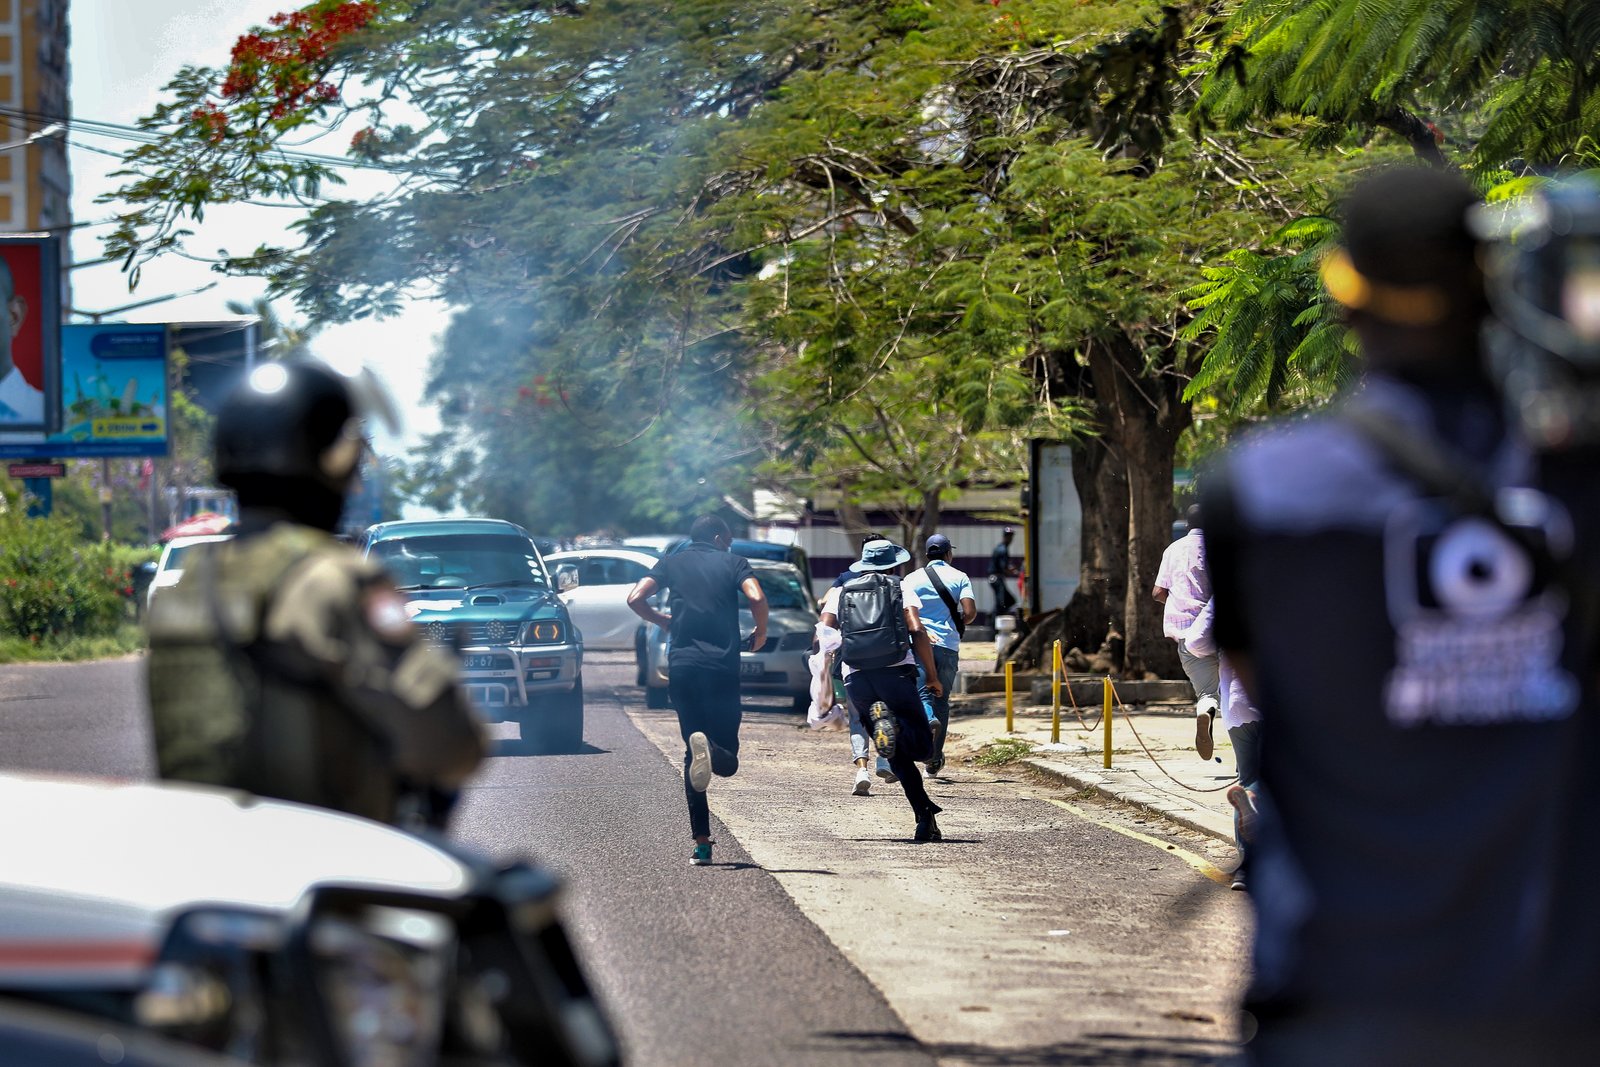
121,53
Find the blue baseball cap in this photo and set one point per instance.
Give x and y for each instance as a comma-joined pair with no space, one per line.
938,545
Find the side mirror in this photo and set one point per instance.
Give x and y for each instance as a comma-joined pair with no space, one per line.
566,578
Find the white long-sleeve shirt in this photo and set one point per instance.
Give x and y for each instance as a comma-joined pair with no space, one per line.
1199,639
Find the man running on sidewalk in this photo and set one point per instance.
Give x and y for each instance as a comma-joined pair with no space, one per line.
704,582
886,696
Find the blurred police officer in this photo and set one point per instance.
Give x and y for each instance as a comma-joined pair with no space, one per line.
283,663
1407,583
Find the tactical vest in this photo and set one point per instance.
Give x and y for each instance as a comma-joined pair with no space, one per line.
231,708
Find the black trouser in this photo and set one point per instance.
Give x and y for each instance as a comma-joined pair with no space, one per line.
707,702
897,687
1003,600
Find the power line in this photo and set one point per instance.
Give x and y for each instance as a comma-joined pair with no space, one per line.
120,131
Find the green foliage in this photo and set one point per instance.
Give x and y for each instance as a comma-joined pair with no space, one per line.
1003,751
53,584
124,639
1531,67
1277,336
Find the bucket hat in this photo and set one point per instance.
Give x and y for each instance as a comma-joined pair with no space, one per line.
880,556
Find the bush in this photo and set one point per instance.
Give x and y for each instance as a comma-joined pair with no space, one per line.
53,584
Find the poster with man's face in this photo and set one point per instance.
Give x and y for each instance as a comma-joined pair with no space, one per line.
29,320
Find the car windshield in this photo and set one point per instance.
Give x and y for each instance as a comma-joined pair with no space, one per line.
783,590
460,561
176,555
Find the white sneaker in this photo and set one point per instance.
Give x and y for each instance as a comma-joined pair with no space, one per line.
886,772
699,762
863,783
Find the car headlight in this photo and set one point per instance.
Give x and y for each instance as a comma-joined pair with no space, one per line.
543,632
382,976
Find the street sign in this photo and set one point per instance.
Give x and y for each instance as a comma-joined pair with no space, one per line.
37,470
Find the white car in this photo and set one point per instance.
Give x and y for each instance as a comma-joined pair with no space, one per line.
279,934
175,555
599,603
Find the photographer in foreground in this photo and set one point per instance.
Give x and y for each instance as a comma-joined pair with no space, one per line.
1427,853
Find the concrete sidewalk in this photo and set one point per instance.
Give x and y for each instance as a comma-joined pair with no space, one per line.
1163,774
1170,780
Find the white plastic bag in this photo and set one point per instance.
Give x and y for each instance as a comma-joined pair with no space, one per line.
824,713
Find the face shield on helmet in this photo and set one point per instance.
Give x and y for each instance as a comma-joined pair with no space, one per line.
1544,285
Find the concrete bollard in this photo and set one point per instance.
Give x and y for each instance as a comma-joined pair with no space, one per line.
1005,628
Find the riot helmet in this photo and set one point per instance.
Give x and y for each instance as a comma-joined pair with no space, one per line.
292,435
1544,341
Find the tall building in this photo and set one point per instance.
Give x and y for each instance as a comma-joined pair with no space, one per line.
35,182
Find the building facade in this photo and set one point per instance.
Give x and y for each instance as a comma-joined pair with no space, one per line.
35,180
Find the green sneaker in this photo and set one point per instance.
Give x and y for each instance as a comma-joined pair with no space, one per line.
701,856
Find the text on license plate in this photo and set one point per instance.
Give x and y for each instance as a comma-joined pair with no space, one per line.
484,663
751,670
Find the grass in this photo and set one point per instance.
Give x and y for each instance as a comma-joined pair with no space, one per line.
1005,750
129,637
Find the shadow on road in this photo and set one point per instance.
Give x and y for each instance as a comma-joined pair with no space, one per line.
1098,1050
534,746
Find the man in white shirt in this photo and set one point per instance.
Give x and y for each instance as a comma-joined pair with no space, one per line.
939,614
20,403
1183,585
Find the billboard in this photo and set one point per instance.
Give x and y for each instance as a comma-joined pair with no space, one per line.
29,311
111,396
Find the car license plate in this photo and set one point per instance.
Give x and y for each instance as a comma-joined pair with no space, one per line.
749,669
484,663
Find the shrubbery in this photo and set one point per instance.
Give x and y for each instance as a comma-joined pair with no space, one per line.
53,584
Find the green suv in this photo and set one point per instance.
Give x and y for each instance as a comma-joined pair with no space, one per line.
481,586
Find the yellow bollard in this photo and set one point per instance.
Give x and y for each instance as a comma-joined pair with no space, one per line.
1011,726
1105,714
1055,693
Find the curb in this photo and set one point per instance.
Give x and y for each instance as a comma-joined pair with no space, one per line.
1100,785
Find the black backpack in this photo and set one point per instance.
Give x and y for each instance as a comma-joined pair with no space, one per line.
872,622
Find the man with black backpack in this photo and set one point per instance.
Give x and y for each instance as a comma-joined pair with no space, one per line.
883,641
1409,584
946,605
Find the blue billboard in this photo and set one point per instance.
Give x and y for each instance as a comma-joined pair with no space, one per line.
113,396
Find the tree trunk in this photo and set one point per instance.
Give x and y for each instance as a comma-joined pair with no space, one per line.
928,526
1144,413
852,518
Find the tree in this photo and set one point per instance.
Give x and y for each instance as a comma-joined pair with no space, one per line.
649,214
1508,79
1512,86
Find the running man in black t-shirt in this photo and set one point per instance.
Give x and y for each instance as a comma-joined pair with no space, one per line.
704,583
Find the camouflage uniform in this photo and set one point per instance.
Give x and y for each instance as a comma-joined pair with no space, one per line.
323,692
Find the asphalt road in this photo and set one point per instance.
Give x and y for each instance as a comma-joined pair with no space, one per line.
1035,934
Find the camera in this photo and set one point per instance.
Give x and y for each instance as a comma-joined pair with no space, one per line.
1543,340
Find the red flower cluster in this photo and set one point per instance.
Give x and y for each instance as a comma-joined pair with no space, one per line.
213,120
285,60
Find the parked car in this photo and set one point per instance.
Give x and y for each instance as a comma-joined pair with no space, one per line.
174,556
656,544
774,551
599,602
279,935
482,586
779,668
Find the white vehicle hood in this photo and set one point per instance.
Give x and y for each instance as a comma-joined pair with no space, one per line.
93,872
